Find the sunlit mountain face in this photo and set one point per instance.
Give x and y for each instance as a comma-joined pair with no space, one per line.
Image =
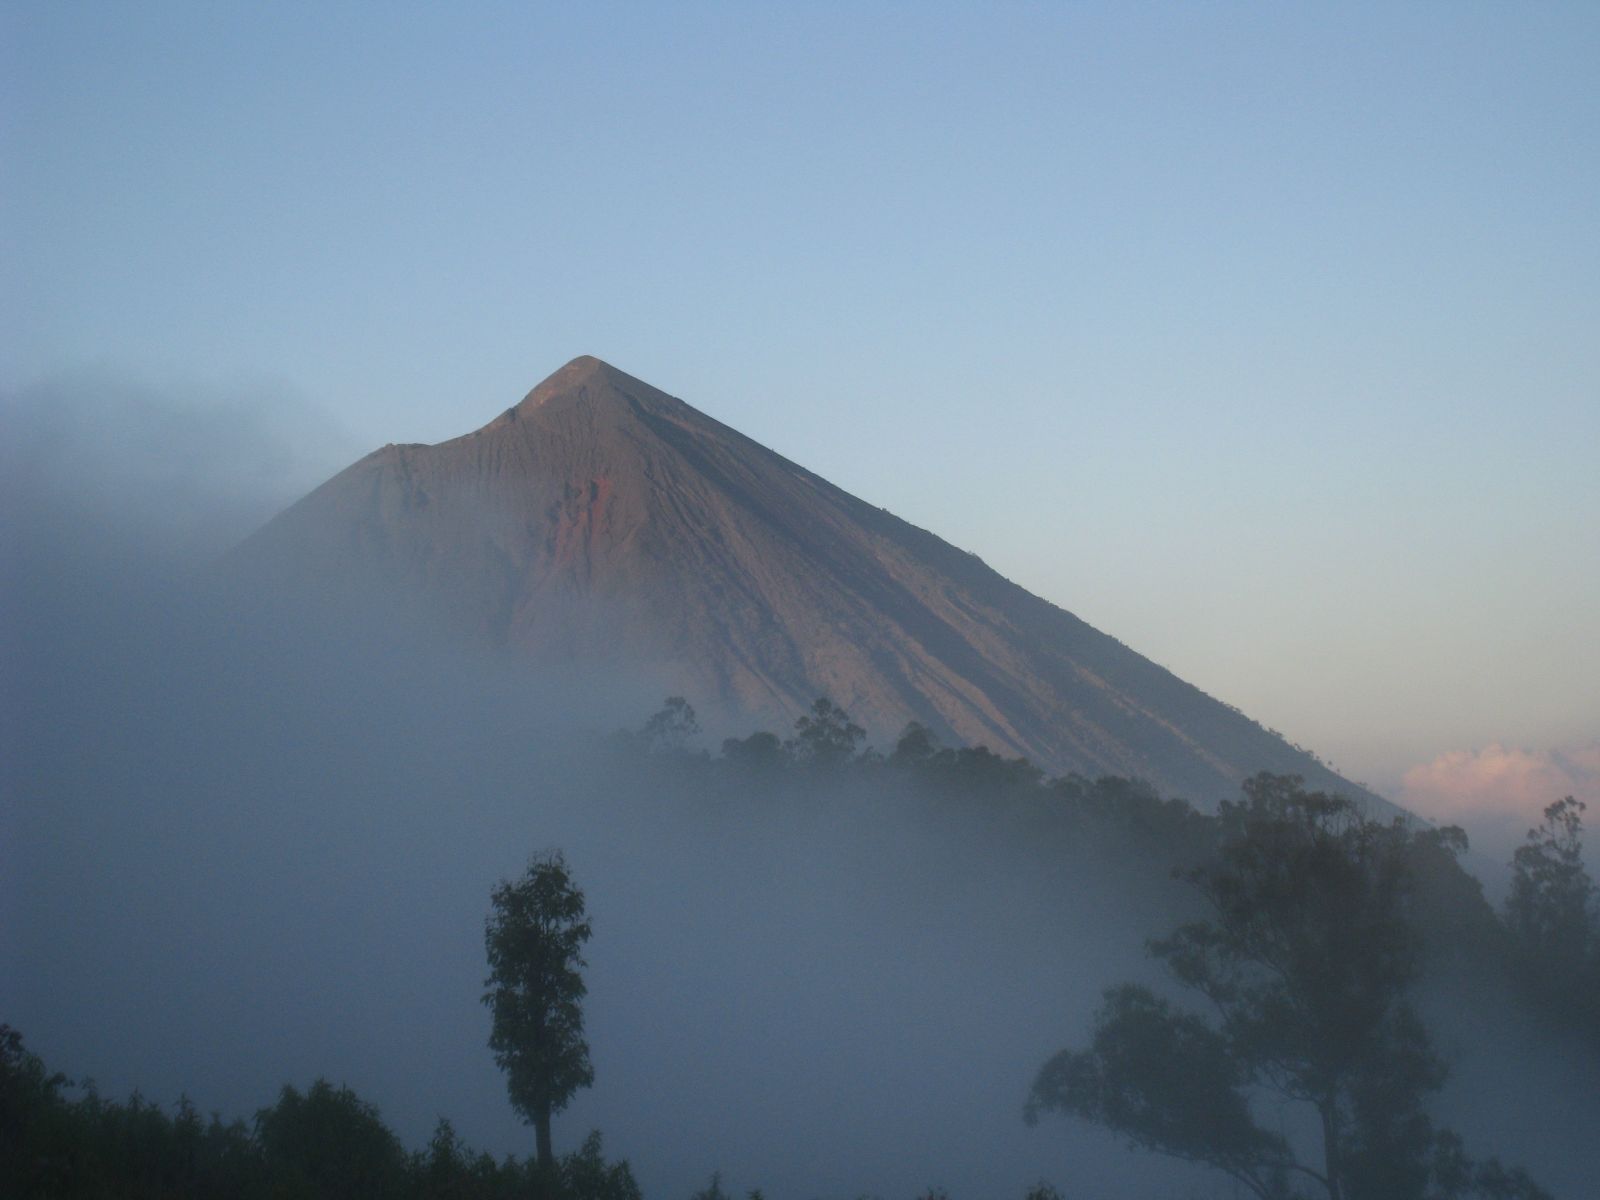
603,523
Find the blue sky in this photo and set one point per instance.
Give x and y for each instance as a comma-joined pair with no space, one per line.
1262,337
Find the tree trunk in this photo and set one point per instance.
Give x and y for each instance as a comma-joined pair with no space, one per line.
1332,1151
541,1130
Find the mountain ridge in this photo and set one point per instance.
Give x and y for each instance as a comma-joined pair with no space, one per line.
601,520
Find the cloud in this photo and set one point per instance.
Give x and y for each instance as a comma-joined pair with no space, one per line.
164,466
1499,783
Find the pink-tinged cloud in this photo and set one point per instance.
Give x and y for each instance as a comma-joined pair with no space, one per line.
1501,783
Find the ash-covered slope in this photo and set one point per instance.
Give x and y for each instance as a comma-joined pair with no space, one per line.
601,521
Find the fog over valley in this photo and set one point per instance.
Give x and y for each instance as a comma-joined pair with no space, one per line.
249,839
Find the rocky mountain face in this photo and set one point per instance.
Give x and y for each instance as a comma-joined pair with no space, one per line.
601,522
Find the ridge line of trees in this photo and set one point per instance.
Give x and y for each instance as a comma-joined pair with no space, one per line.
325,1143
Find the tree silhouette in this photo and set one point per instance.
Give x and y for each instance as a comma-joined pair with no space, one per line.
331,1143
671,728
759,754
1554,918
1550,908
534,938
825,736
1305,963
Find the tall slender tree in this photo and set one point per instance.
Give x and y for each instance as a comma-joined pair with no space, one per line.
534,937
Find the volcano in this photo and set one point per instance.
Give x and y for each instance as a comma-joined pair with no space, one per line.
602,523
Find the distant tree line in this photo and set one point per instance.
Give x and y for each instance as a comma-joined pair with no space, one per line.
62,1142
827,754
1544,941
325,1143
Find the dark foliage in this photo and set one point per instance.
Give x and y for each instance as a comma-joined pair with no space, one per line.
1553,916
758,754
586,1175
1305,960
672,727
825,738
827,743
324,1144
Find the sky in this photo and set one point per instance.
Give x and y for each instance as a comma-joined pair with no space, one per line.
1260,337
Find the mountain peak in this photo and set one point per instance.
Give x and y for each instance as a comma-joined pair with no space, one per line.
584,372
604,522
584,367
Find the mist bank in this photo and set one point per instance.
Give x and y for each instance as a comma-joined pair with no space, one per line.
249,840
233,871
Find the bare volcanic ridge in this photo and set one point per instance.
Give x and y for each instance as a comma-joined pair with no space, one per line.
602,522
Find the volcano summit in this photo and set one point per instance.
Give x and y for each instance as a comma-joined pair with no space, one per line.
602,522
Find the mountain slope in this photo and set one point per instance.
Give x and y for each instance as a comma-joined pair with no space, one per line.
601,521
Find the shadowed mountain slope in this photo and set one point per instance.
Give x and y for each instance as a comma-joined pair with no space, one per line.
602,522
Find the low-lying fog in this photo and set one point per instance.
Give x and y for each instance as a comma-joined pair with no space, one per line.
244,845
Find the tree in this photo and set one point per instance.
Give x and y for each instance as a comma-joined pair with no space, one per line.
1305,964
916,745
759,754
825,736
586,1175
1552,897
671,728
1552,914
534,937
330,1142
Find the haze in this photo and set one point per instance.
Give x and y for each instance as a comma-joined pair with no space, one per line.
250,842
